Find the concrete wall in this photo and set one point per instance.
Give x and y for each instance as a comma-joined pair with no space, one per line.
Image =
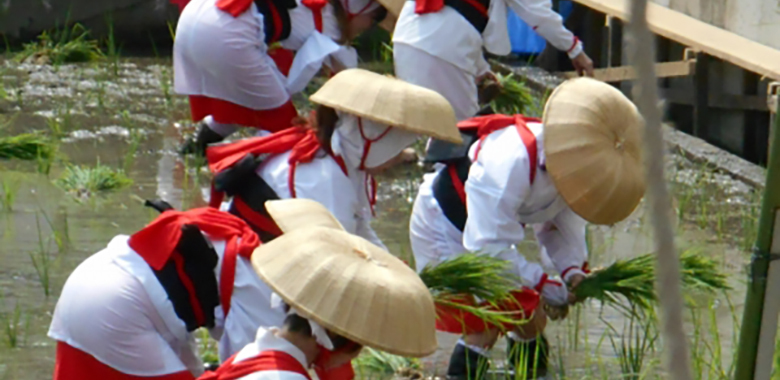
758,20
132,19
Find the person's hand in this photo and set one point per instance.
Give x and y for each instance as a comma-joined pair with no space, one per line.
574,281
487,76
583,64
555,293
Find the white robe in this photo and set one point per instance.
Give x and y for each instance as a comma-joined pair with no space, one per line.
499,198
443,52
266,340
114,308
225,57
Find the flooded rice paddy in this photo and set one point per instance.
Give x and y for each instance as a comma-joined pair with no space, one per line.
124,115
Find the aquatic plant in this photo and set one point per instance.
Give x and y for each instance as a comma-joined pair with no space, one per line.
61,237
85,181
377,362
26,146
62,46
41,260
514,96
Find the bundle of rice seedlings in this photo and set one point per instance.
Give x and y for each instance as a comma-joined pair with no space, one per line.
513,98
85,181
62,46
377,362
633,280
26,146
481,276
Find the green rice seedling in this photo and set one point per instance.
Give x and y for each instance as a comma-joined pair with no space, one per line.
472,275
62,46
514,98
386,52
376,362
113,52
26,146
85,181
172,31
635,344
207,347
165,86
41,260
11,326
634,279
61,237
9,196
136,136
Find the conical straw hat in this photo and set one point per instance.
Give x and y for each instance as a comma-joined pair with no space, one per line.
390,101
297,213
592,143
352,288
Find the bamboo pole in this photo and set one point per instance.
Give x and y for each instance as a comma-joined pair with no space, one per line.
641,54
756,320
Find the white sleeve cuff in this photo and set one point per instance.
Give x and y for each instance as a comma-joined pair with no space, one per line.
576,49
571,272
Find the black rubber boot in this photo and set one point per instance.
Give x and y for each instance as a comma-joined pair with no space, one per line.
528,357
203,138
467,364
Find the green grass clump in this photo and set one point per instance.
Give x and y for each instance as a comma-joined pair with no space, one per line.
62,46
514,98
634,279
26,146
85,180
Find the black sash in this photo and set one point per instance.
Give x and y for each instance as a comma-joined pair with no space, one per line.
276,18
196,270
447,196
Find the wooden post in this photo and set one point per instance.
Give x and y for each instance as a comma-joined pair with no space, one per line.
773,92
701,96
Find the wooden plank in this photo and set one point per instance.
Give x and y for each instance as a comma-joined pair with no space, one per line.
624,73
707,38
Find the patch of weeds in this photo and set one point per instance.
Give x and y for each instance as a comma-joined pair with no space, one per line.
85,181
26,146
57,47
9,196
41,260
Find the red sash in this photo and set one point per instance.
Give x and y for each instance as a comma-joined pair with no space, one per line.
156,244
266,361
74,364
300,140
485,125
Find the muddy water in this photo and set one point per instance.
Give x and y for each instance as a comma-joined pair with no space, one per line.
98,107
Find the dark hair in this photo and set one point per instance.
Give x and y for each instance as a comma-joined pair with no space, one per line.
326,124
380,14
342,17
297,324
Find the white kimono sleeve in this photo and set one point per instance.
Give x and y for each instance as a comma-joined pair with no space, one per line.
563,238
547,23
498,183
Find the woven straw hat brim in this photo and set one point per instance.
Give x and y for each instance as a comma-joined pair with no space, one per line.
390,101
352,288
298,213
592,143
